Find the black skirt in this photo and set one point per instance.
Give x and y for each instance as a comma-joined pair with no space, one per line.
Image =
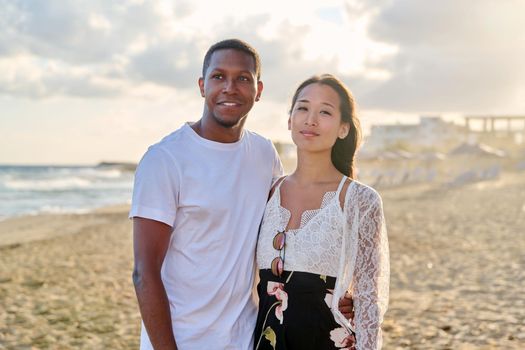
294,312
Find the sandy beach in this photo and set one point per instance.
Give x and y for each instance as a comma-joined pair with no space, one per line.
457,261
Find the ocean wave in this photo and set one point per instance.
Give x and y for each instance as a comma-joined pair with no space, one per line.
31,190
53,209
70,183
65,179
102,173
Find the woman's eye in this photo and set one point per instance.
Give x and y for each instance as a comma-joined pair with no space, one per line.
301,108
326,113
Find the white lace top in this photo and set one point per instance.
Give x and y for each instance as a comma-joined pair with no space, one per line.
350,244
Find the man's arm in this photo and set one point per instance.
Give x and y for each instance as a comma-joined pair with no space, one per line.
346,307
150,243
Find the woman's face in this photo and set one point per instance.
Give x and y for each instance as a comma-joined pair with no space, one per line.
315,120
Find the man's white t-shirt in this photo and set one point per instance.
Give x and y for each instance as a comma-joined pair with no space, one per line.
213,195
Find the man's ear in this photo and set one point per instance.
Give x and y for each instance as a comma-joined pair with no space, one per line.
201,86
260,87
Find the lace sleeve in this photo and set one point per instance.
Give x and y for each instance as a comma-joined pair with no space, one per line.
370,285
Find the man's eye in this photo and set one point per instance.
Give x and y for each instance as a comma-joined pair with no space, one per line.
216,76
243,78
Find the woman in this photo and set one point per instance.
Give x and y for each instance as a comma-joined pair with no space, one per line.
323,233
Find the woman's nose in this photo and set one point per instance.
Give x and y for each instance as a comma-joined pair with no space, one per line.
311,119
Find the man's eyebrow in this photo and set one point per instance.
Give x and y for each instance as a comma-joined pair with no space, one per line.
220,70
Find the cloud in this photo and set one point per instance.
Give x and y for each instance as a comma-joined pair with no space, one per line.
175,63
454,56
113,47
283,65
91,37
406,56
59,85
75,31
30,77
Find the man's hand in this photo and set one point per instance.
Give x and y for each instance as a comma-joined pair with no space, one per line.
346,307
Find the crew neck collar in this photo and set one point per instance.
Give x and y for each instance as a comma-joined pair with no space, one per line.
210,143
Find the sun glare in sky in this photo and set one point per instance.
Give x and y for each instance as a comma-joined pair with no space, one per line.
82,82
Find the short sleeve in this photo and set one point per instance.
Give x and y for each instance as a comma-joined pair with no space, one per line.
156,187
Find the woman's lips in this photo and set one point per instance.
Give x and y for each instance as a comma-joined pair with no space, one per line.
308,133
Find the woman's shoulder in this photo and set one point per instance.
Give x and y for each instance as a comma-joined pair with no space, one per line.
361,197
363,191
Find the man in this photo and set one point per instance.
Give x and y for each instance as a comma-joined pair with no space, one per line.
198,199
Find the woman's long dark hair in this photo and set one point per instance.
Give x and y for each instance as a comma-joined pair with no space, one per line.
343,151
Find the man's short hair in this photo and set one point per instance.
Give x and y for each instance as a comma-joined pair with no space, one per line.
235,44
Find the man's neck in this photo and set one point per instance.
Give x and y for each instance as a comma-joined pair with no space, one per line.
218,133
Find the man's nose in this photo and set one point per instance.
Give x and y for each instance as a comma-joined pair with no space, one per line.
229,86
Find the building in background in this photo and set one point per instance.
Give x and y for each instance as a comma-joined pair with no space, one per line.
500,131
432,132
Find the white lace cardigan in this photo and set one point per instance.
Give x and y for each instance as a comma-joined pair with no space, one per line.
362,261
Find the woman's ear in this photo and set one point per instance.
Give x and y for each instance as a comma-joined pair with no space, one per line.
344,129
290,123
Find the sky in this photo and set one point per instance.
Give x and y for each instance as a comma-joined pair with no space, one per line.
89,81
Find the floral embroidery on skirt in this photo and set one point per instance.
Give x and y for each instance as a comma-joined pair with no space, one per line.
294,313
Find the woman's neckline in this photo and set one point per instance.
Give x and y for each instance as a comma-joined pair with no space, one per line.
336,192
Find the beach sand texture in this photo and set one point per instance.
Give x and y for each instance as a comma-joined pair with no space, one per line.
457,265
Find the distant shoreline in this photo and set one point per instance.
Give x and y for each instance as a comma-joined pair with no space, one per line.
102,209
122,165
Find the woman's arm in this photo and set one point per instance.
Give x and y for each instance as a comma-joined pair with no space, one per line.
370,285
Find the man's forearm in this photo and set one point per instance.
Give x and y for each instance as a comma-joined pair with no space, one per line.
155,311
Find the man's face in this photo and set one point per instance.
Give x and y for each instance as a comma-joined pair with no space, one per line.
230,87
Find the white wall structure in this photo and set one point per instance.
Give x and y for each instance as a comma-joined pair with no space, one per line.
431,132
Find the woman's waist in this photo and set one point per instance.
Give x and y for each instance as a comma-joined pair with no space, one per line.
326,265
299,281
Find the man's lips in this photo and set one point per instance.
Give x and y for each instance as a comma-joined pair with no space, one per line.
308,133
229,103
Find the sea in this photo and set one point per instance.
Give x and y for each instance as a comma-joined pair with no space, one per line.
33,190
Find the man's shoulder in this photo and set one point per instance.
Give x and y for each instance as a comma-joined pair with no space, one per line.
165,149
173,137
256,138
167,143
